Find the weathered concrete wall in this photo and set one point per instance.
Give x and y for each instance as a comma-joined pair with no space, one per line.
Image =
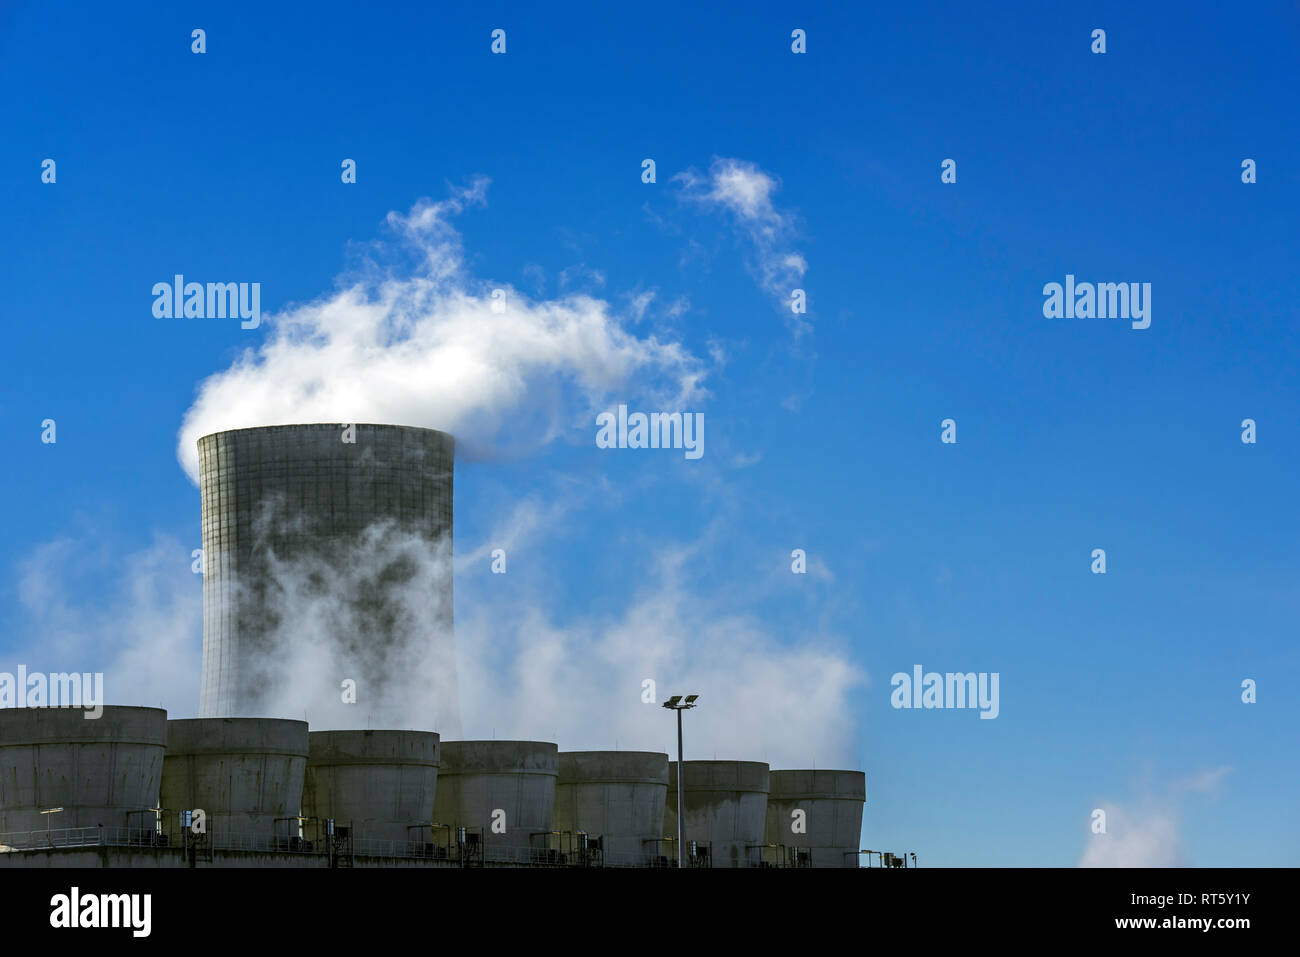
97,770
244,772
286,512
832,802
615,795
726,806
131,857
518,777
101,856
377,782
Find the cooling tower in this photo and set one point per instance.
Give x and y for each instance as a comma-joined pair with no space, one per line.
378,783
477,779
832,820
617,796
327,589
245,773
97,770
726,807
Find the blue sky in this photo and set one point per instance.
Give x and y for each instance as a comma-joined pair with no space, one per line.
1119,691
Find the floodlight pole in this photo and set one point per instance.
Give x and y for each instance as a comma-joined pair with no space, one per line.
49,835
681,807
673,704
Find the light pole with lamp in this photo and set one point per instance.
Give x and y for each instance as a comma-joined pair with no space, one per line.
675,703
49,838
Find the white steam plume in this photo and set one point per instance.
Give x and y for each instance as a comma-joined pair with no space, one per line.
427,348
745,191
1150,833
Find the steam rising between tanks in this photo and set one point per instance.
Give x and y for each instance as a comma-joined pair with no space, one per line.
326,558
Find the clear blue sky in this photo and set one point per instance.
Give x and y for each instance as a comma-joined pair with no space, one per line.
925,303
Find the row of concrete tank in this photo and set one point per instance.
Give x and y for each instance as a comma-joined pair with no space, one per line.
515,800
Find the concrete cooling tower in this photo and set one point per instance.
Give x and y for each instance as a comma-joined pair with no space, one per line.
245,773
726,808
380,784
100,772
327,576
617,796
502,790
831,802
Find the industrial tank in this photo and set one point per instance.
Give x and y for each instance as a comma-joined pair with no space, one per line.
726,808
616,796
97,770
381,784
503,793
245,773
832,820
327,573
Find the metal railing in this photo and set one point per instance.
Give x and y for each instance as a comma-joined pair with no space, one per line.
82,837
523,855
416,849
222,840
100,835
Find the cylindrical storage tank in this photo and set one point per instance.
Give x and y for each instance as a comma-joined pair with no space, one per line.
327,556
509,783
98,770
832,819
617,796
245,773
726,807
378,783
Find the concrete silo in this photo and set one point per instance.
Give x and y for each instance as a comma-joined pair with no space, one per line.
487,786
99,771
726,807
832,820
327,573
378,783
245,773
617,796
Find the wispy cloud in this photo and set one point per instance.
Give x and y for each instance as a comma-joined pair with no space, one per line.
144,631
745,191
1144,837
1148,832
1203,782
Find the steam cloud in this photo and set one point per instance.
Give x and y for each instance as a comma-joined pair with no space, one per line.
146,637
373,618
745,192
522,673
1148,837
760,699
1150,834
426,348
